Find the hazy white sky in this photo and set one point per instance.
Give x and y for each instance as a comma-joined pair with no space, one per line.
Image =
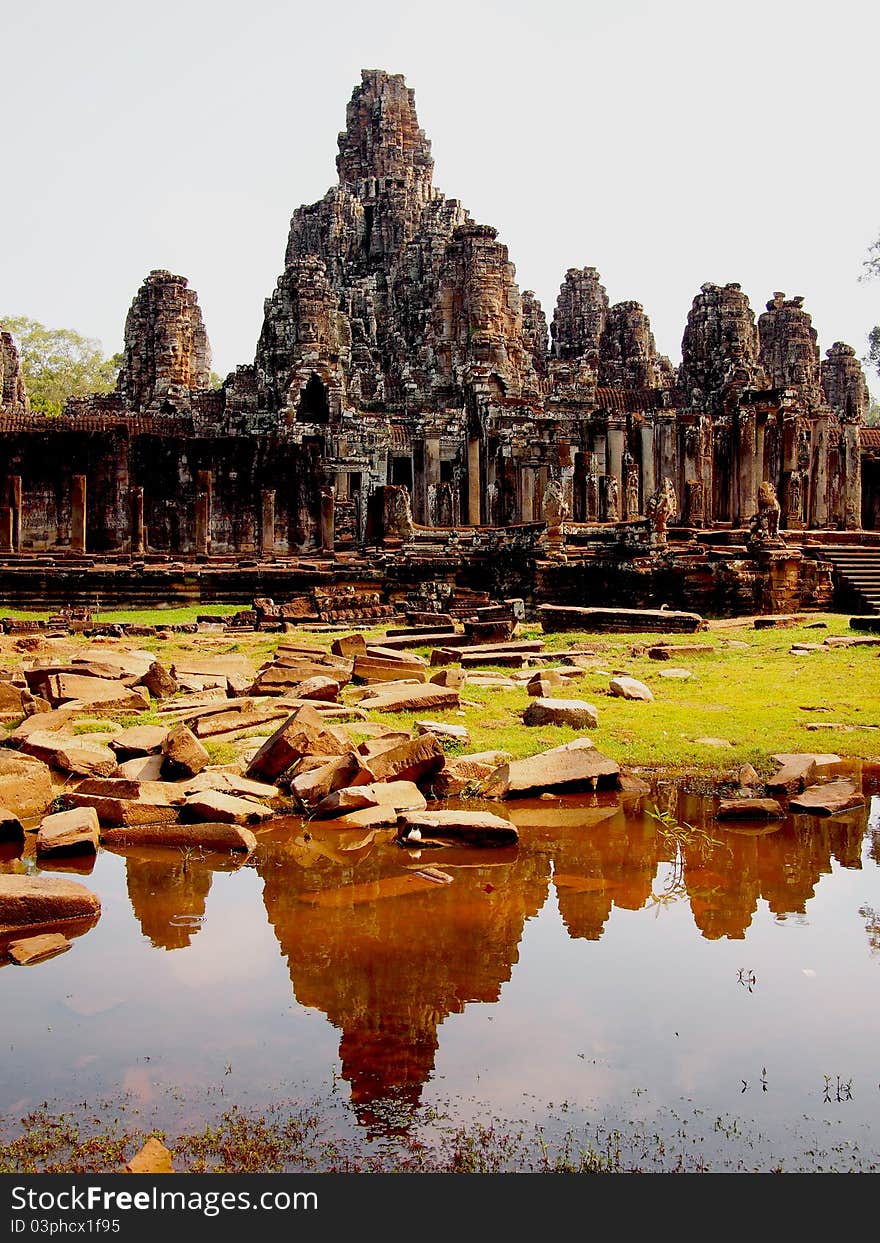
666,143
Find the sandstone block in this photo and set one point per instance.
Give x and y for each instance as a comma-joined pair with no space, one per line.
573,712
575,766
36,900
184,755
749,809
303,733
630,688
828,800
208,836
25,784
414,760
213,806
73,832
477,828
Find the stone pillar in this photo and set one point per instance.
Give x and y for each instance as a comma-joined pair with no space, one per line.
649,474
527,493
78,514
15,506
341,483
820,486
747,467
267,523
204,490
327,520
760,476
852,478
138,535
6,528
473,478
432,470
616,445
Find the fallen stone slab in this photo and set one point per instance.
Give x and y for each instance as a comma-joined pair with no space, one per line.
73,832
141,768
213,806
183,754
303,733
65,687
822,759
555,618
839,640
323,688
461,771
477,828
673,672
234,720
37,949
828,800
575,766
749,809
138,740
395,796
120,812
207,836
413,699
25,784
38,900
70,755
667,651
384,669
576,713
630,688
799,771
778,621
160,682
230,783
542,685
349,645
413,760
450,676
317,783
443,729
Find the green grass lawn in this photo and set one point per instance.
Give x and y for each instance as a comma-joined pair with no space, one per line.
759,698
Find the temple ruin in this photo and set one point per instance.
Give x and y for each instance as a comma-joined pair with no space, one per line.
410,416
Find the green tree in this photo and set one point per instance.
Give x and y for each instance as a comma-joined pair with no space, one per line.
872,271
59,363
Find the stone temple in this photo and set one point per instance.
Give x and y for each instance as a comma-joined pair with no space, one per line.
409,416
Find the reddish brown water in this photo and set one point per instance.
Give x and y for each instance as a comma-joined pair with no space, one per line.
720,991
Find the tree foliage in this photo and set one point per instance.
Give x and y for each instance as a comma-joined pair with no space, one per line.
59,363
872,271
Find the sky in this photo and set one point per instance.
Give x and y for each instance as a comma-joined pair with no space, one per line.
666,144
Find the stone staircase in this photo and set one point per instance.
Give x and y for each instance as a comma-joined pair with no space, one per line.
856,575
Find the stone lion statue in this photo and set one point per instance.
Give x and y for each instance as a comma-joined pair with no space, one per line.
769,508
661,507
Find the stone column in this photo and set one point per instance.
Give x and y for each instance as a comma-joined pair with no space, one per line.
327,520
432,469
341,482
78,514
5,528
616,445
649,474
527,493
204,490
138,535
267,523
473,478
15,506
747,467
852,478
820,487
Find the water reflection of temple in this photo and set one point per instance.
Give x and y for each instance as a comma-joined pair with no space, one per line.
388,955
168,891
388,971
728,871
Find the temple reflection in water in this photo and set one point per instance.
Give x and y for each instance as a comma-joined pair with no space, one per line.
387,952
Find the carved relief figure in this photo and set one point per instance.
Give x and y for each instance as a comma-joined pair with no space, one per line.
769,509
554,507
631,488
612,498
661,508
695,503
